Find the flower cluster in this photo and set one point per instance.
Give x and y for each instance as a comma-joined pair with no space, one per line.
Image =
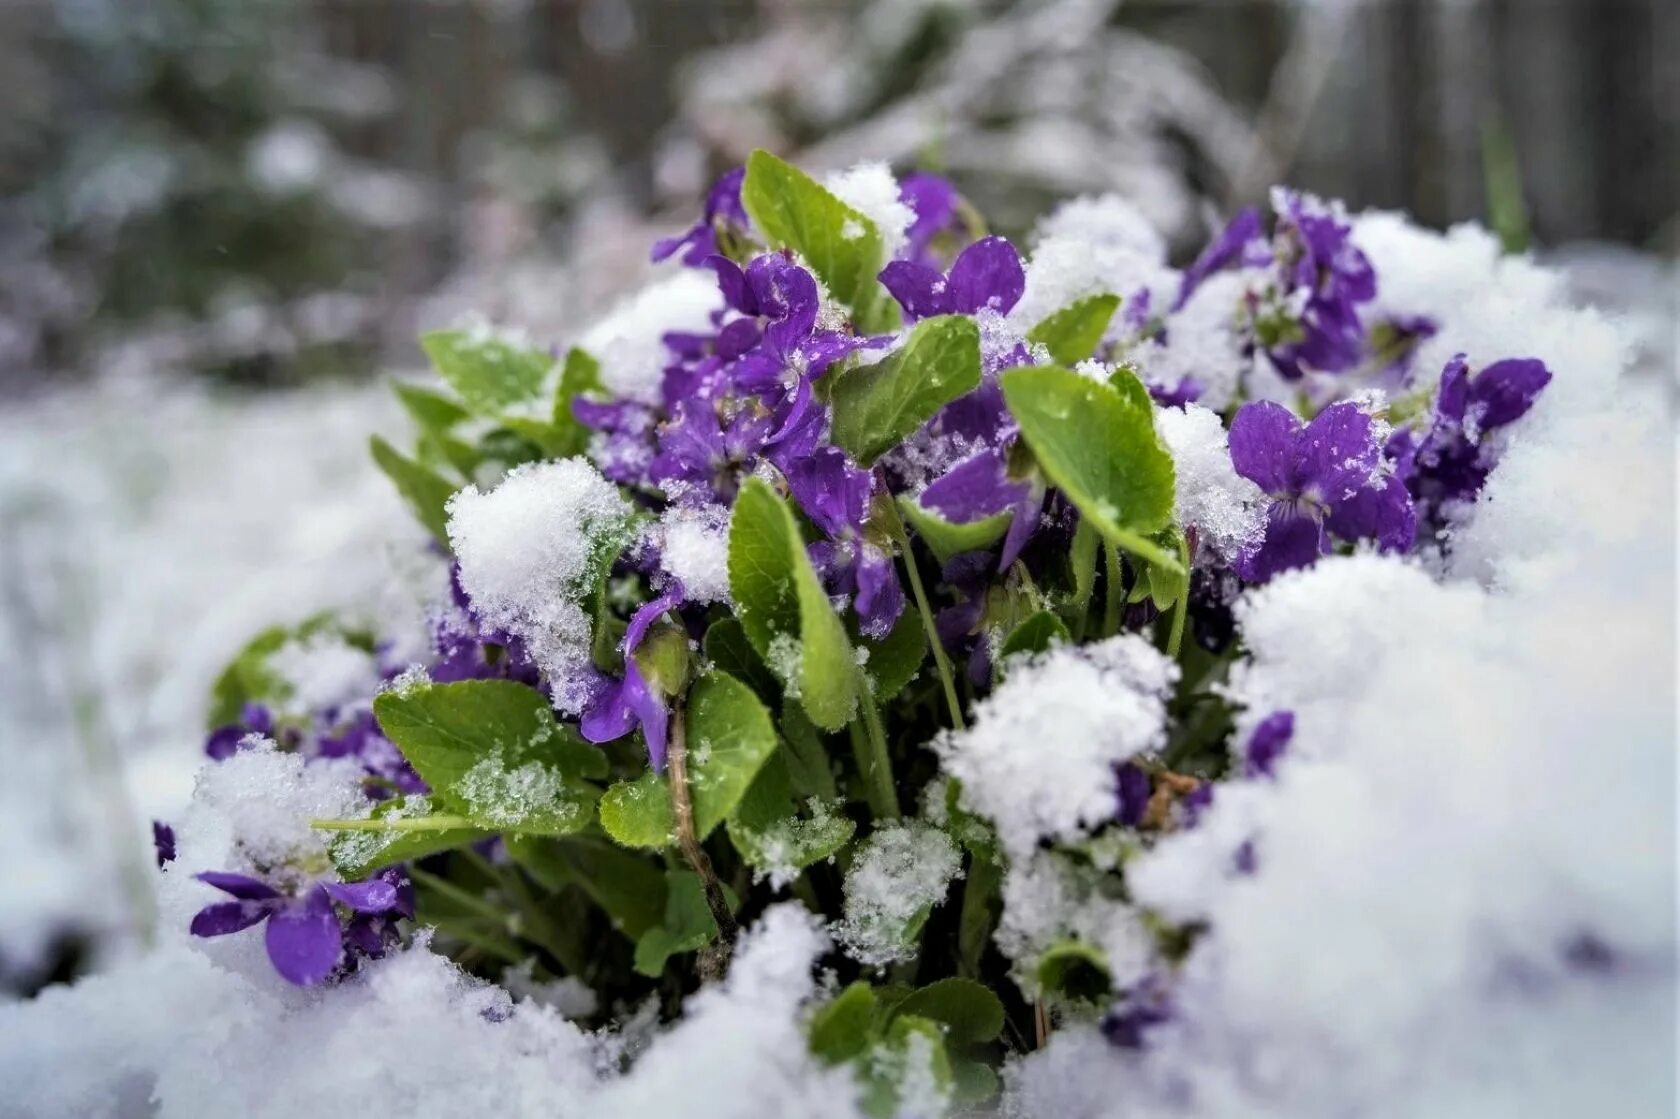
697,628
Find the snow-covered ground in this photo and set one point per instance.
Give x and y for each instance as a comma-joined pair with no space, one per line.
150,529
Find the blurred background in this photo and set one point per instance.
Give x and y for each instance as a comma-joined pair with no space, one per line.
223,222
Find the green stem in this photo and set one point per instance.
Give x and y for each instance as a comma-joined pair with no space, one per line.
1175,637
975,927
947,678
1141,547
1114,591
464,898
412,823
869,747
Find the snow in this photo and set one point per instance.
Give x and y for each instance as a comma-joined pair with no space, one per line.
173,524
199,1027
898,874
1202,342
1049,898
1464,894
509,797
322,672
1226,510
629,340
1088,247
530,551
1105,220
1083,710
694,550
871,190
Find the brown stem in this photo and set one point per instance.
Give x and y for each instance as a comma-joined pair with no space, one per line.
714,957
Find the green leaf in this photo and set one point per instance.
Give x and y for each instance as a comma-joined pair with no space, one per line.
913,1052
1167,585
492,750
1072,334
973,1083
842,1028
581,374
1100,449
727,648
1125,381
629,887
946,538
970,1012
876,407
1035,635
248,677
810,770
773,836
729,737
688,925
489,374
432,411
1072,969
783,608
896,658
357,854
794,211
638,813
424,490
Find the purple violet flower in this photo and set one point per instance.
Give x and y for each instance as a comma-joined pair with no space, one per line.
1452,460
1268,743
723,211
163,842
980,487
1240,242
938,210
1325,480
623,705
1133,790
986,275
223,743
1316,254
1139,1010
304,938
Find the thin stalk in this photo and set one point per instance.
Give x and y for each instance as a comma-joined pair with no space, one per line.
1114,591
1175,637
465,898
869,745
535,923
411,823
947,678
714,958
975,926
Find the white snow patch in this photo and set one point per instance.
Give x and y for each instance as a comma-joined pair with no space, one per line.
1039,756
529,550
871,190
629,341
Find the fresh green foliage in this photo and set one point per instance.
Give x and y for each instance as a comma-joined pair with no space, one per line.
729,735
1035,635
1074,970
490,375
877,407
492,751
946,539
1100,449
841,246
424,490
687,926
785,611
1072,334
